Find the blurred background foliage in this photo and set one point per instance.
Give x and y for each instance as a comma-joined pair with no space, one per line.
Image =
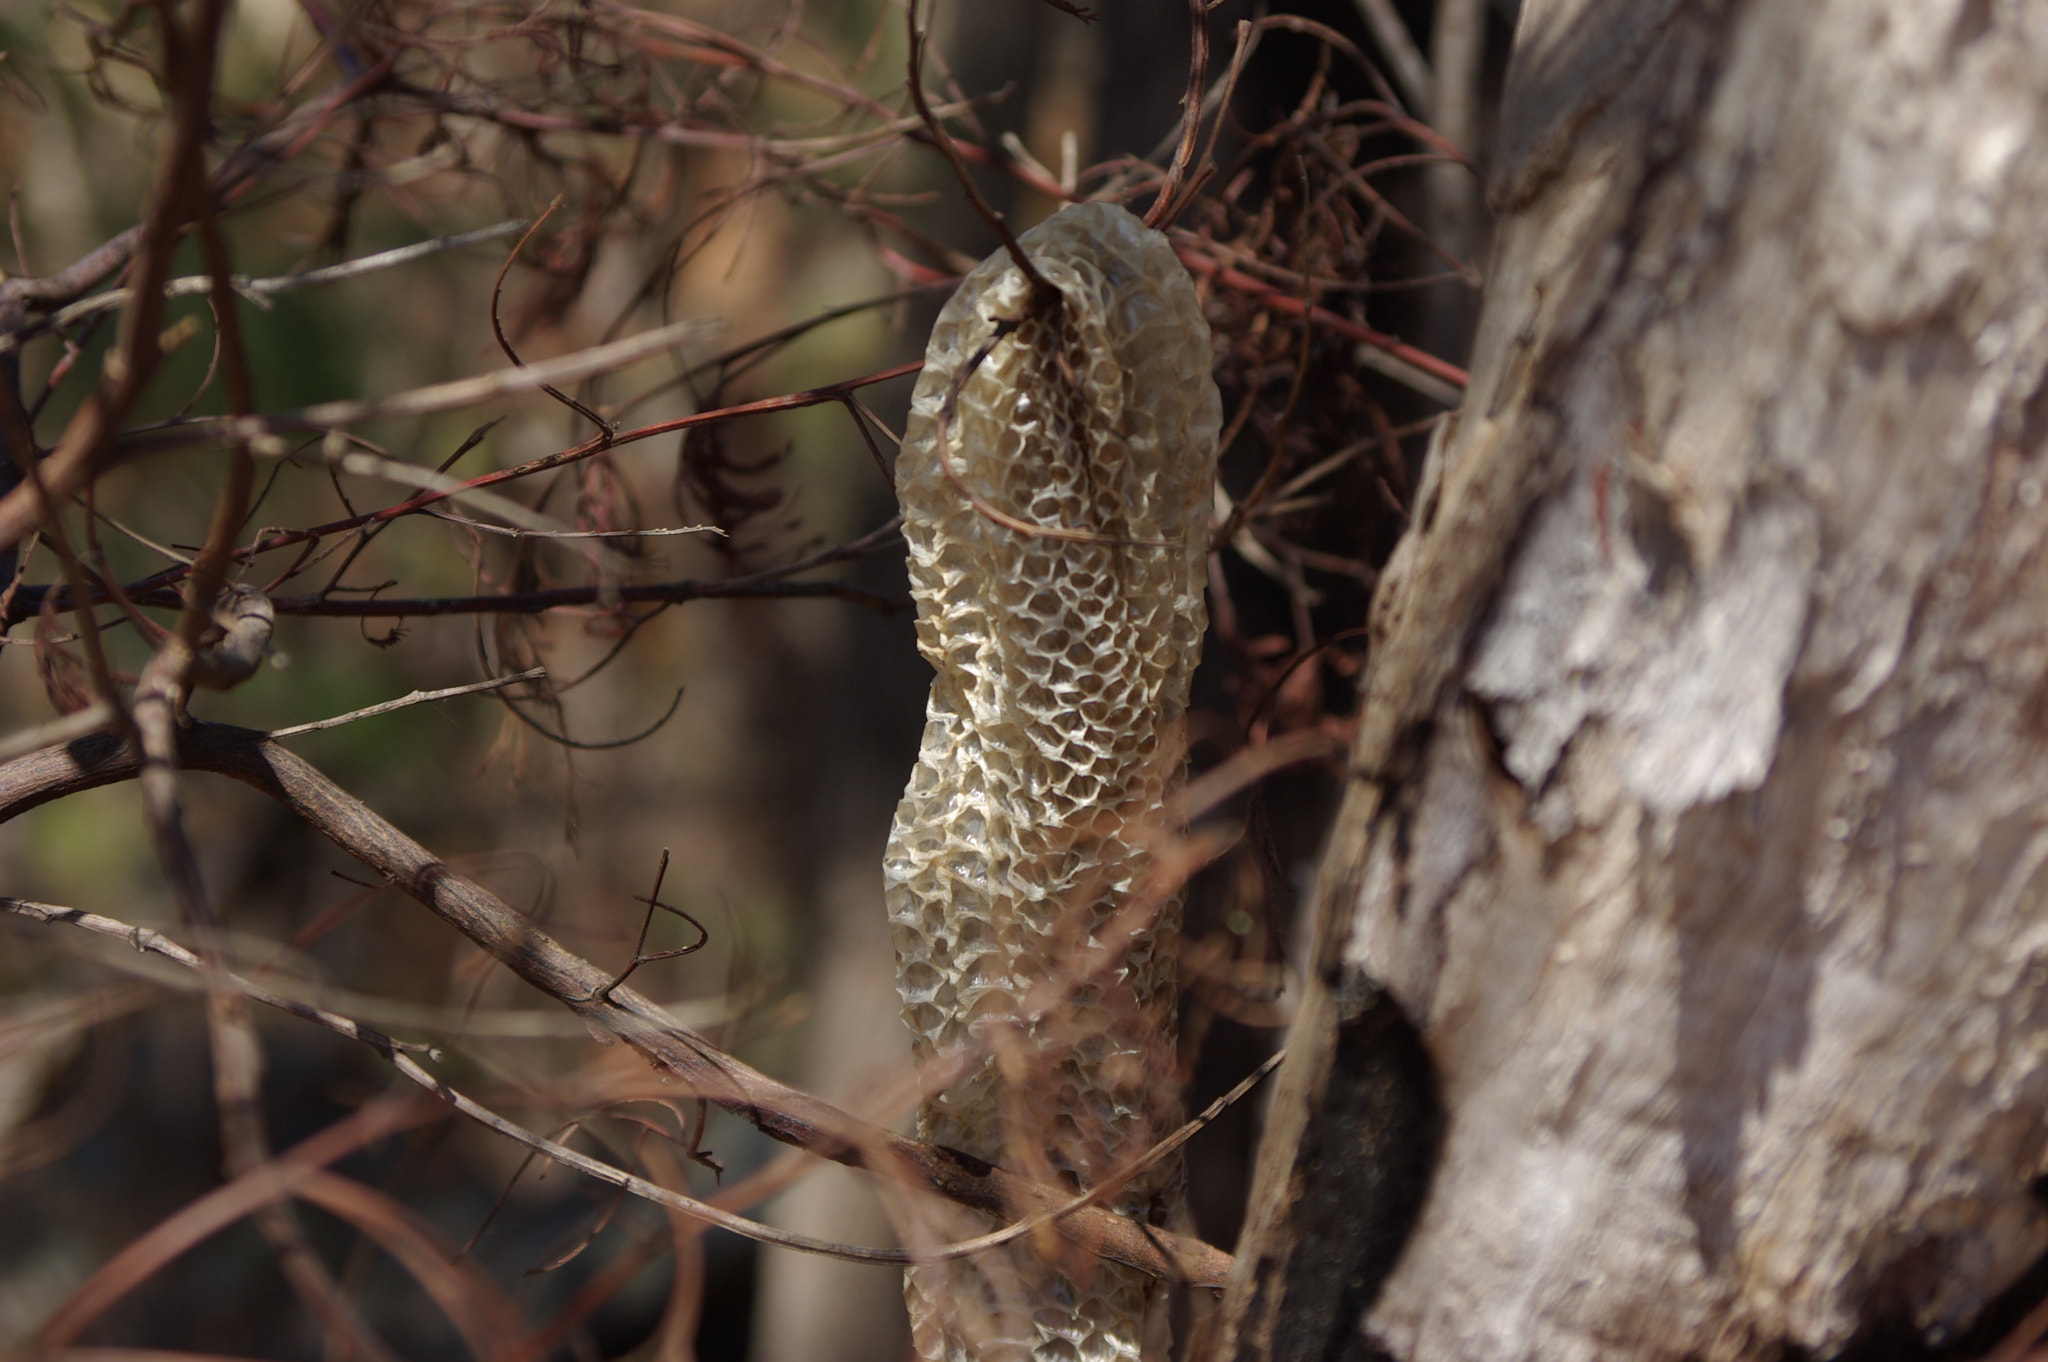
772,780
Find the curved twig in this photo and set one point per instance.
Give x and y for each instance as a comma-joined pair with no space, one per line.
605,428
1043,293
1180,187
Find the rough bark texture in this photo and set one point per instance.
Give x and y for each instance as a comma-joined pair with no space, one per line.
1701,810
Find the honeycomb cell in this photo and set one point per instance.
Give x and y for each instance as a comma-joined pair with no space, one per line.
1062,657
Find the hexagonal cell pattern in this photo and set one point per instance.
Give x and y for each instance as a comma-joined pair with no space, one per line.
1057,549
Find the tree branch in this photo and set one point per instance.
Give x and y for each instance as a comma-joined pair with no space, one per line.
780,1112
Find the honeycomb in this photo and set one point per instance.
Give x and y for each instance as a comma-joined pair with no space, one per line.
1052,738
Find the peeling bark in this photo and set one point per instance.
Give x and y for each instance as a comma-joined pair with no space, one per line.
1700,809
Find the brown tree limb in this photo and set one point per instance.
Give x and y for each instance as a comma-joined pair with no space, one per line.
781,1112
399,1054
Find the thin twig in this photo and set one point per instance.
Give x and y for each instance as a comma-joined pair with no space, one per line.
1411,376
133,362
942,448
605,427
399,1054
1182,180
1117,1177
532,602
522,532
30,599
418,697
258,289
162,550
529,522
149,941
1277,460
1412,359
640,954
430,400
1043,294
756,586
249,1192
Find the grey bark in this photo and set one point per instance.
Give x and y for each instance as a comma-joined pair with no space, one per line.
1700,809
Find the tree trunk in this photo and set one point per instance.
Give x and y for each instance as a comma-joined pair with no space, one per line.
1700,809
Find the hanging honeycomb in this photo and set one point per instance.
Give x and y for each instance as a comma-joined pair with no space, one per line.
1057,550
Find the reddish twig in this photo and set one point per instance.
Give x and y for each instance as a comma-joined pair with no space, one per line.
1043,294
29,599
1203,265
1179,177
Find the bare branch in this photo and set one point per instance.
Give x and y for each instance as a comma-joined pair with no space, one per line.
521,532
260,289
780,1112
418,697
454,395
1042,291
1409,358
1183,178
399,1054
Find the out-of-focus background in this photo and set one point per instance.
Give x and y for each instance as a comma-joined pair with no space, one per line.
744,162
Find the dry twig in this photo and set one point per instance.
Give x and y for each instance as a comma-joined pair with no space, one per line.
778,1111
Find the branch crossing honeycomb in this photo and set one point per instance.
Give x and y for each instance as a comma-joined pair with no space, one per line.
1016,863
